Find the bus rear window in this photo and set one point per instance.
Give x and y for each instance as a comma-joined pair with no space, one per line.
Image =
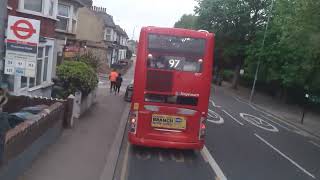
174,63
171,99
176,44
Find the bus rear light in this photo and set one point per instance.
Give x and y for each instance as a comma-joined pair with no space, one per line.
202,130
133,122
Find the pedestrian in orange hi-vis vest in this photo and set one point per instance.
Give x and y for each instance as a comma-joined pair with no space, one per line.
113,78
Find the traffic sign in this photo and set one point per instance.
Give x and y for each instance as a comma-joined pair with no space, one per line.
23,30
22,45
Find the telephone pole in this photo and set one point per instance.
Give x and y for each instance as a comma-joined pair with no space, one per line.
3,19
259,58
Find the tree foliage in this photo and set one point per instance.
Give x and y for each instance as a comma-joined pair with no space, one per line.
75,75
235,23
291,56
88,58
187,21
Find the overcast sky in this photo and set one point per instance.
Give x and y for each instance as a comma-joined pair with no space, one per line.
133,14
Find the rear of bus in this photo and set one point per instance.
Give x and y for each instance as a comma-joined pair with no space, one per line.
171,88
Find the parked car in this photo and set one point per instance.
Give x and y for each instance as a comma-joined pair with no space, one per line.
123,62
129,92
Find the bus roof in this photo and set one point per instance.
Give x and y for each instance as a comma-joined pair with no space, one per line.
177,32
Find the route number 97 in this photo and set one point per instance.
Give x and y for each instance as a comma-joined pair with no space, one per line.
174,63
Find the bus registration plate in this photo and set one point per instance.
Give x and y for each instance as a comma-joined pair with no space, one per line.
168,122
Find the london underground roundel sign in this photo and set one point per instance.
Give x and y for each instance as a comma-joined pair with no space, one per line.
24,30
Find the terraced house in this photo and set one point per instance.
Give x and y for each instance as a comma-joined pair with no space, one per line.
46,12
58,23
98,32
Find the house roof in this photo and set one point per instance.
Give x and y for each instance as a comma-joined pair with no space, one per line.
86,3
108,20
121,31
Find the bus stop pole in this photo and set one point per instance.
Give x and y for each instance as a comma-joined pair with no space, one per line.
303,114
304,107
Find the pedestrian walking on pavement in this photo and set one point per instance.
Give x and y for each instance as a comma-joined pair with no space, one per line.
113,78
118,83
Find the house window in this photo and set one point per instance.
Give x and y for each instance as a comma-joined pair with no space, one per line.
31,82
74,26
42,64
33,5
41,71
108,34
63,16
51,6
24,82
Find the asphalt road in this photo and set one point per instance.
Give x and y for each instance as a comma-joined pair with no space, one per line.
243,143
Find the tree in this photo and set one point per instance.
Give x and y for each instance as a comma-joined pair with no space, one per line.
235,23
291,56
187,21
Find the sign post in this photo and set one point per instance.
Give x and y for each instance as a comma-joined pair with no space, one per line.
22,45
304,107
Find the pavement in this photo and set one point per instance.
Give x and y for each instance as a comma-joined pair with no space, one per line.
88,151
290,113
243,142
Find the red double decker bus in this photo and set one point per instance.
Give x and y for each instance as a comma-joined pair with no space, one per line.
171,88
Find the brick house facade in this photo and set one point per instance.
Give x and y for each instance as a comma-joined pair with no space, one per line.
44,11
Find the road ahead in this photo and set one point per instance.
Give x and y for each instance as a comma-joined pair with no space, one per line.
243,143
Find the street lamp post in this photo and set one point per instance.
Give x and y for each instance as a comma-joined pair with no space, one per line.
259,59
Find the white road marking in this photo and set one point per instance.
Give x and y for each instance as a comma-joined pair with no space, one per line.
276,123
261,110
314,144
295,129
214,115
236,99
123,175
233,118
247,103
253,107
288,124
286,157
214,165
214,105
258,122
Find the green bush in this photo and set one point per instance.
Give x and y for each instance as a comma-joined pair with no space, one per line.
75,75
88,59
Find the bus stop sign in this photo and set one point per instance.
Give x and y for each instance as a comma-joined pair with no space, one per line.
23,29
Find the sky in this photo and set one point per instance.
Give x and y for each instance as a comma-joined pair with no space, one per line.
131,15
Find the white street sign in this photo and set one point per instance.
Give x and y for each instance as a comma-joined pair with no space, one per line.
24,30
22,45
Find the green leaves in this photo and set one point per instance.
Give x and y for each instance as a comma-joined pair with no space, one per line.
77,75
291,53
187,21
